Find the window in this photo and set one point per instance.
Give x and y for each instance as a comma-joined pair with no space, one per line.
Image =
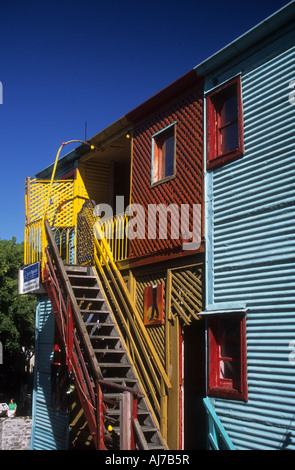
227,357
224,123
163,154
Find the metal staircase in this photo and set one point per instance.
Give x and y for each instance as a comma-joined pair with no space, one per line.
105,376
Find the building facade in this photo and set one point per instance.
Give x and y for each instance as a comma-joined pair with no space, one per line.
171,234
249,183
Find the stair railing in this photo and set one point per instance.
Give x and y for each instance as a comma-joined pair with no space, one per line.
218,438
151,372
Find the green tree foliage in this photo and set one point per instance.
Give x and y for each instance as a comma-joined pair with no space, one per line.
16,311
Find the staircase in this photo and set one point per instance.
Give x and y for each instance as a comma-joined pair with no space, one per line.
95,321
111,354
115,365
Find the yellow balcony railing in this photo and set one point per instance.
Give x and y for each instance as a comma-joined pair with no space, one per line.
114,231
33,242
61,208
70,214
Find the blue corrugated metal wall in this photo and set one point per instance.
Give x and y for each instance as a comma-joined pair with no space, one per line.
250,214
49,427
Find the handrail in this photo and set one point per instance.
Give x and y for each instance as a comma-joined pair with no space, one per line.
216,429
114,231
83,335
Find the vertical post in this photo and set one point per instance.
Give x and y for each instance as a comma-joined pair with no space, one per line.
27,244
99,419
164,406
28,200
69,336
125,421
133,417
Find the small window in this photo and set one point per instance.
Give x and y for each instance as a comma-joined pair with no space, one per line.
224,123
227,357
163,155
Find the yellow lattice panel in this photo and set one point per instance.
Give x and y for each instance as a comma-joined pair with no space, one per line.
59,210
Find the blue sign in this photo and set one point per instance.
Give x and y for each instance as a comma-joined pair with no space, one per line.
29,278
31,272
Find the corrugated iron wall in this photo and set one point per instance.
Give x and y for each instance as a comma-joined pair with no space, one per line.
49,427
251,264
186,187
96,177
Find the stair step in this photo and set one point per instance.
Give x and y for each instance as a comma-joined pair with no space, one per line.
89,299
122,380
155,446
149,428
88,288
70,268
95,329
84,311
115,365
82,276
74,277
110,351
106,337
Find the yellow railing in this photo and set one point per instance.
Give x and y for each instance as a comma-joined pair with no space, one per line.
65,202
33,242
60,214
114,231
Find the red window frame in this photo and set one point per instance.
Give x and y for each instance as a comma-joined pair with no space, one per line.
218,126
161,154
231,384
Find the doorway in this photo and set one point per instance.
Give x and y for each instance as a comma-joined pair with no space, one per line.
193,386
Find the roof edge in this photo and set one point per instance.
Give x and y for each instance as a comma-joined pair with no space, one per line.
186,81
265,28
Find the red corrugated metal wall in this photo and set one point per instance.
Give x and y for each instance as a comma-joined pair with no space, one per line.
187,186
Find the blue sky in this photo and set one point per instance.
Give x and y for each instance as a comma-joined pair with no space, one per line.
69,61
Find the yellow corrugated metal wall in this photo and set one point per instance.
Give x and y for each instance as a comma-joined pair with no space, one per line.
96,177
